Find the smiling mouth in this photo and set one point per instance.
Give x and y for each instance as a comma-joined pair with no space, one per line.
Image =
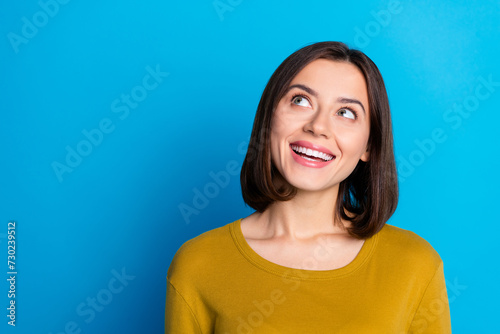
311,154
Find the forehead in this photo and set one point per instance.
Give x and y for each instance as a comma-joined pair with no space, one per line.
333,78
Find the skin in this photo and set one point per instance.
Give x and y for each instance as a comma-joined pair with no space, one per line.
289,232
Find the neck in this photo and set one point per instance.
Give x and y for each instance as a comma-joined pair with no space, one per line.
307,215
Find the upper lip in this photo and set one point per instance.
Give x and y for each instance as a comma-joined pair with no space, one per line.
312,146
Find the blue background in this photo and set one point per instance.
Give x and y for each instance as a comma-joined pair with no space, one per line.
118,210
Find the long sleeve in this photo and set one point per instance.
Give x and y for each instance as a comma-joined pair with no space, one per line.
433,313
179,318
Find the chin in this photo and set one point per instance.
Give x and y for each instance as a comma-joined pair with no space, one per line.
311,186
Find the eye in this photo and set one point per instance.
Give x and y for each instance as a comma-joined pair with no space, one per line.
300,100
347,113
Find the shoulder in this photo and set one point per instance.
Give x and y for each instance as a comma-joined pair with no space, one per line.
408,247
198,253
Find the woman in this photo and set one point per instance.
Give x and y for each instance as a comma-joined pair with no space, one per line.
317,255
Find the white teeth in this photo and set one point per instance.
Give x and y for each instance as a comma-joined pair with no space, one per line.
312,153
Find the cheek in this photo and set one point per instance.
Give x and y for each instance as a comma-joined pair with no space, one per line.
281,129
353,142
286,123
274,139
278,128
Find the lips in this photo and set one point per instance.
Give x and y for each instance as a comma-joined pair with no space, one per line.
311,155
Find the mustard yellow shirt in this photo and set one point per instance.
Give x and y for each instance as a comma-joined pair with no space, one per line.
217,283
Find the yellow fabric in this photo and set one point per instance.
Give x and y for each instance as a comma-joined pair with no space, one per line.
217,283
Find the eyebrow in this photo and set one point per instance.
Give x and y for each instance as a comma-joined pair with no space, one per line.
315,94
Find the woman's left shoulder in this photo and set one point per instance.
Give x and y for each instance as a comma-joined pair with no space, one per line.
407,245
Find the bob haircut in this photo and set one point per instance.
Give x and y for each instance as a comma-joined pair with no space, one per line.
369,196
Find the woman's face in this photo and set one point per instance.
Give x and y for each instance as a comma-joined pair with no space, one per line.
320,128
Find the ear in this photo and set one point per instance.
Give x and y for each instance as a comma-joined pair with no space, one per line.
366,156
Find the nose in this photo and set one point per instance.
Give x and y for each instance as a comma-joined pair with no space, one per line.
318,125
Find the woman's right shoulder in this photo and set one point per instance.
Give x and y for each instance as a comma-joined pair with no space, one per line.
200,252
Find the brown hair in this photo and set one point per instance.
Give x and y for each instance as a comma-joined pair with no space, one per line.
368,197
